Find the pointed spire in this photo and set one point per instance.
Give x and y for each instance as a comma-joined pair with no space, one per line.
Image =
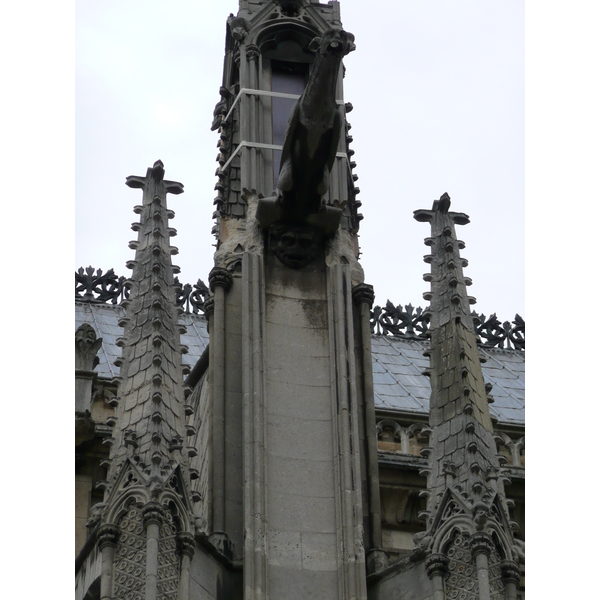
463,472
150,414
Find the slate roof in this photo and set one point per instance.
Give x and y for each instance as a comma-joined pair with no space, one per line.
398,364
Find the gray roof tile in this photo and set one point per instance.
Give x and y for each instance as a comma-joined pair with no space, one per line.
397,364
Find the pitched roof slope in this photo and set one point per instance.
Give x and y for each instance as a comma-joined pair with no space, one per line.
398,364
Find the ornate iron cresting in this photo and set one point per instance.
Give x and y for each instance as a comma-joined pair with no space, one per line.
93,285
409,322
406,322
192,298
98,286
495,334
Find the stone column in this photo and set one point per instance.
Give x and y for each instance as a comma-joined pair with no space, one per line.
209,311
345,430
511,575
252,55
363,295
481,548
107,541
152,514
436,565
187,545
220,281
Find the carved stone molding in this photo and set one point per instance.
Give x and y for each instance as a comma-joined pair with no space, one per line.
221,541
294,246
436,565
108,534
220,277
186,543
209,306
252,52
511,573
377,560
363,293
481,543
153,512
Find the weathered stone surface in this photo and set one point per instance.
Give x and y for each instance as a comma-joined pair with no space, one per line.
407,581
297,584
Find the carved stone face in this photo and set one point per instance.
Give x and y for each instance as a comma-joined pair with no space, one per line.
290,7
295,246
85,335
335,41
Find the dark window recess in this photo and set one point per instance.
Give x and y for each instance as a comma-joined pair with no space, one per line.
287,78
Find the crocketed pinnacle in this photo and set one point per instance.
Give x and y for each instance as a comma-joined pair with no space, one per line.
150,424
462,452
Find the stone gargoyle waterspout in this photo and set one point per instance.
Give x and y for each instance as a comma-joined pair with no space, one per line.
310,145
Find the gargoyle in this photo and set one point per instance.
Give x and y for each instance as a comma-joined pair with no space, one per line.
313,130
310,142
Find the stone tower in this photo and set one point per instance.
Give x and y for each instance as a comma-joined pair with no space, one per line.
292,476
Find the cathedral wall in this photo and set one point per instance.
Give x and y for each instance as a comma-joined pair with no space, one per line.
301,473
408,581
234,458
209,580
83,495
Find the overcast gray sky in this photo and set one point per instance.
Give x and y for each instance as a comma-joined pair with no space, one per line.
439,104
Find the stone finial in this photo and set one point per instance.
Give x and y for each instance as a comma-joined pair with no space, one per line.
87,345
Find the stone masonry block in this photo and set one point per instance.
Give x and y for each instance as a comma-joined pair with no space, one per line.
456,425
285,549
299,438
319,552
296,340
443,431
305,402
294,370
450,445
311,314
301,477
309,514
295,584
449,410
